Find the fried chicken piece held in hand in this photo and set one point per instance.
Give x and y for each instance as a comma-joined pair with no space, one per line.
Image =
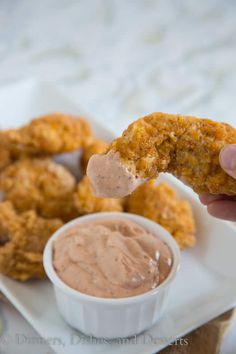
50,134
86,202
39,184
22,240
184,146
161,204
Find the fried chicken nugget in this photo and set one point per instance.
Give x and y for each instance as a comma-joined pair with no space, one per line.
50,134
22,240
39,184
185,146
86,202
161,204
97,146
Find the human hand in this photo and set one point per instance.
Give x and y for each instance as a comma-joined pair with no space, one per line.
223,206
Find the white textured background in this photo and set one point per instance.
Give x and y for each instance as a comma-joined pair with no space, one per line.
122,59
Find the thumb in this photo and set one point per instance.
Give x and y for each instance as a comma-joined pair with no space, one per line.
228,159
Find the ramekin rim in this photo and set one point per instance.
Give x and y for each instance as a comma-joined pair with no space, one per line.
164,235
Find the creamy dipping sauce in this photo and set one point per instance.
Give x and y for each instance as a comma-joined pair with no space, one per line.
111,258
109,177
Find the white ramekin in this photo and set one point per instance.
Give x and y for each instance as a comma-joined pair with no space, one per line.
111,318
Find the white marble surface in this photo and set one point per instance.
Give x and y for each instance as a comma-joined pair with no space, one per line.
123,59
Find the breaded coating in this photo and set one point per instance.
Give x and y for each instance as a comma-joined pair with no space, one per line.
97,146
39,184
50,134
5,157
161,204
22,240
86,202
185,146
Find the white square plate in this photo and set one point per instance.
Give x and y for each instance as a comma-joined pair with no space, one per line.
204,288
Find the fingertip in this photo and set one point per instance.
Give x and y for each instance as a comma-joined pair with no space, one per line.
207,198
227,159
223,209
203,198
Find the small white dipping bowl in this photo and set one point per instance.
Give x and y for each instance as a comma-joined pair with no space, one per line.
111,317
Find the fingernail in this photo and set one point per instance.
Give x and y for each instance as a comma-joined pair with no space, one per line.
228,158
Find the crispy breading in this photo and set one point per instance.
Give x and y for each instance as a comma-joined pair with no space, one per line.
86,202
5,157
39,184
22,240
187,147
50,134
97,146
161,204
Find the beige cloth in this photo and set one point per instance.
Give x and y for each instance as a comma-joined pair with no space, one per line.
206,339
